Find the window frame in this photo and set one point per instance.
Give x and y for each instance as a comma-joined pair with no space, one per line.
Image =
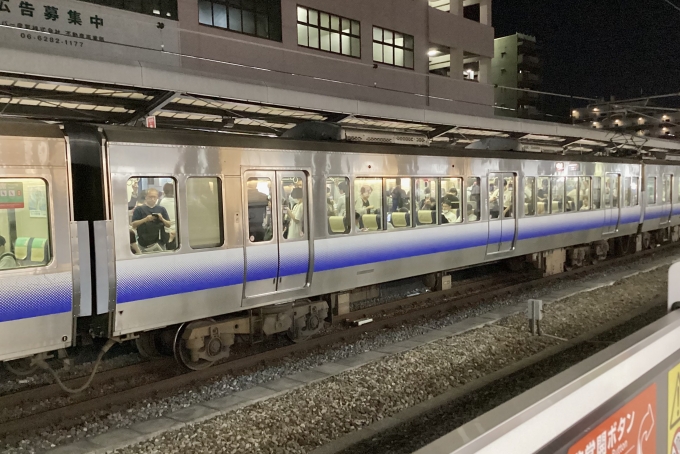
48,218
635,195
598,179
220,206
589,179
330,30
416,203
552,193
356,194
547,207
468,199
177,211
384,207
532,204
655,190
268,13
349,209
462,213
394,46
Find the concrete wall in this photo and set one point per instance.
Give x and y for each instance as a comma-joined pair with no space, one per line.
232,55
505,58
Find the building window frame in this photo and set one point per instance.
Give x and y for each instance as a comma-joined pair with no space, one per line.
264,16
315,22
384,43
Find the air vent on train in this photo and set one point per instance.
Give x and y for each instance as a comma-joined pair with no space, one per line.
316,130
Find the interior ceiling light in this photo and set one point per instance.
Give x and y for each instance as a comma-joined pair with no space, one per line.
433,52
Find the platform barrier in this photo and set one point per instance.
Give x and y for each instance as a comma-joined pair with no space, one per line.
623,400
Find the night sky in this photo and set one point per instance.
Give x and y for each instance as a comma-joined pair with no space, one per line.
598,48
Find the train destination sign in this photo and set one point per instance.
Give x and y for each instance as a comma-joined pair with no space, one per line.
11,195
631,429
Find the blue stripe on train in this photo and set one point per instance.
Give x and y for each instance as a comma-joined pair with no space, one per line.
35,296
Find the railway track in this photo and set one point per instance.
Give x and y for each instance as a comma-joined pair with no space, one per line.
117,388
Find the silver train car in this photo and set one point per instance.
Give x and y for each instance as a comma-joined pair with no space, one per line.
191,241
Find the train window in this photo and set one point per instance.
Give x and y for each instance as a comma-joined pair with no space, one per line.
204,207
634,184
398,204
368,204
426,199
508,196
613,181
529,196
626,191
473,199
543,196
152,201
584,194
258,194
24,223
451,189
494,196
651,190
572,195
666,193
556,194
337,202
596,201
292,208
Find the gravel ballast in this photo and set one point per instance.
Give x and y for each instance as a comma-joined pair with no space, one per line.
414,435
93,424
316,414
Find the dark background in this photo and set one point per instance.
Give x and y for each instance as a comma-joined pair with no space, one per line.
598,48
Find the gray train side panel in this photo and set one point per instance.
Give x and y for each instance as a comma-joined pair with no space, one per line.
36,303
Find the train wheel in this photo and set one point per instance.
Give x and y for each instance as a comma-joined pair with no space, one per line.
21,367
146,344
183,354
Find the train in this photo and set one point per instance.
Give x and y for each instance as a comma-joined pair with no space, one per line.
189,242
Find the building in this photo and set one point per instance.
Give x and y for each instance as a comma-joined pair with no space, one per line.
639,117
515,70
378,51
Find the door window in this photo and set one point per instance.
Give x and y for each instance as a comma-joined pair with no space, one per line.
508,196
258,195
529,196
293,208
494,196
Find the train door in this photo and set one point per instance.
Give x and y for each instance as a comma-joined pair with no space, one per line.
277,233
502,212
612,203
666,199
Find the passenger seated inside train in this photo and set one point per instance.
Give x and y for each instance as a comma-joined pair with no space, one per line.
134,247
7,258
449,216
472,214
585,204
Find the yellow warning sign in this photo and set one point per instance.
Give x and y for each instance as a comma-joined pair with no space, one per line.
674,410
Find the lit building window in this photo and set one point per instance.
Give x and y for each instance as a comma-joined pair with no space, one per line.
328,32
392,48
251,17
167,9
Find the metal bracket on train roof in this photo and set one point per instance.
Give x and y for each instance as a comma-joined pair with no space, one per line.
156,104
620,141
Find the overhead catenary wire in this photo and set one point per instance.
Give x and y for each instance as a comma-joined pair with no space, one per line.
672,4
